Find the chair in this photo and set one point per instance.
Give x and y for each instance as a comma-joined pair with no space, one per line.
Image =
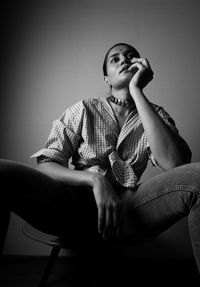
55,241
59,243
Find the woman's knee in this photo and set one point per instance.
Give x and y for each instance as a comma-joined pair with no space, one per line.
8,171
17,176
9,167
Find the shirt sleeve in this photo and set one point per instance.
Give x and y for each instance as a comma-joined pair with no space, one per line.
64,137
170,122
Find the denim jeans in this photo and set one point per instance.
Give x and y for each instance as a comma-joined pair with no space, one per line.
163,200
150,209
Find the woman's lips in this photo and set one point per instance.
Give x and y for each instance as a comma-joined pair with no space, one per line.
125,68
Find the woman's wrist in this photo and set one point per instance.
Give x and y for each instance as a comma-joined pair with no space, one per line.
96,178
135,91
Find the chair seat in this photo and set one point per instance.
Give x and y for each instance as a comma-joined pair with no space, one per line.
46,238
76,243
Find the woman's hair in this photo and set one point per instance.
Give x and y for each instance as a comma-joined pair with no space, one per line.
106,56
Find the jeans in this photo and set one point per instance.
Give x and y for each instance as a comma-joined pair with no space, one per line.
150,209
163,200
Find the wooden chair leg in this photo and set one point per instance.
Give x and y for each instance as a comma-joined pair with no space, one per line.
52,258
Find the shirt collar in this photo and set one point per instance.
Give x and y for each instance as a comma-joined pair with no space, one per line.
109,115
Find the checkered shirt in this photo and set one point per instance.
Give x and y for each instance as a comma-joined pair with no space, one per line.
89,134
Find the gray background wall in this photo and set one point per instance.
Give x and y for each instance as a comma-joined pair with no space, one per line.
53,57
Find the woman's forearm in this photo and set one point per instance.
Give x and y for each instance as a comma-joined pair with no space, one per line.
168,148
66,175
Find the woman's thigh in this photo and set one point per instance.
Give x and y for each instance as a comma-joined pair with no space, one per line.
161,201
45,203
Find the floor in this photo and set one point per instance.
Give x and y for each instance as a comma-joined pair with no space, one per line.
103,271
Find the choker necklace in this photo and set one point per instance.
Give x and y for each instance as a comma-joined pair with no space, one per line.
120,102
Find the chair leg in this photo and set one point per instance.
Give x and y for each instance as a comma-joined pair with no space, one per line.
52,258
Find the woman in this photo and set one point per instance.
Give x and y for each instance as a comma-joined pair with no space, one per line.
110,141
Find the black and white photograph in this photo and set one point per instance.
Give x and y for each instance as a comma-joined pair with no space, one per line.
100,143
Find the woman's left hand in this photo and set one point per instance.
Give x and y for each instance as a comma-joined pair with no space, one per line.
142,76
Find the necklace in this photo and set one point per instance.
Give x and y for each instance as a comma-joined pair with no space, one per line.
119,102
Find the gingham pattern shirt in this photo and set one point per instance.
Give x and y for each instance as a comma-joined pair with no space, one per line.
88,133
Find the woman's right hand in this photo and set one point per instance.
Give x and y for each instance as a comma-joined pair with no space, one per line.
108,205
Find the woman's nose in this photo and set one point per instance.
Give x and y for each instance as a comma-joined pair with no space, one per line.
124,60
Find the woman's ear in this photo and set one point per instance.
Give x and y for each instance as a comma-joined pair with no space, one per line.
106,81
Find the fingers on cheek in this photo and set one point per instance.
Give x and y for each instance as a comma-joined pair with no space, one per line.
141,67
145,63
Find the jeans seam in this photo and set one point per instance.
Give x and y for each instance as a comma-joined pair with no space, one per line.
166,190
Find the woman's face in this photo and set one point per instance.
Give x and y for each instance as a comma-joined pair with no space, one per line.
118,61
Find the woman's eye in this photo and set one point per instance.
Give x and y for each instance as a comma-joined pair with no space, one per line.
114,60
